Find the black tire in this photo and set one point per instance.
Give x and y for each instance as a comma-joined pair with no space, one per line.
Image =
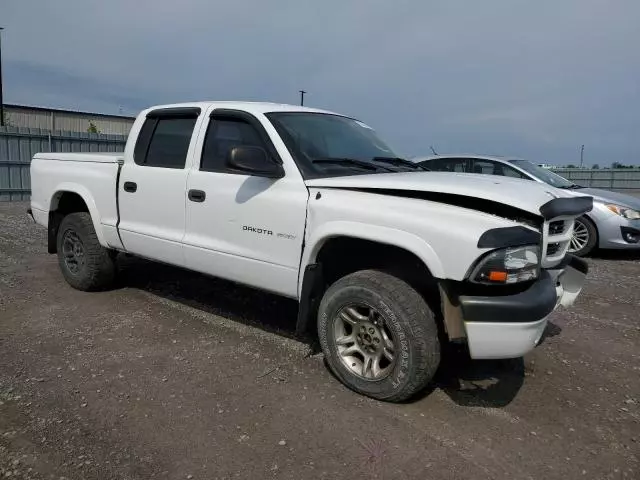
404,314
592,239
97,269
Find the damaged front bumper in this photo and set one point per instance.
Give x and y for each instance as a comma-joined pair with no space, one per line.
509,326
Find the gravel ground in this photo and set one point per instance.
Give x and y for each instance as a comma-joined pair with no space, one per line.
175,375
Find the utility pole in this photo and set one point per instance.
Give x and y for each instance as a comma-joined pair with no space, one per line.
1,101
302,92
581,155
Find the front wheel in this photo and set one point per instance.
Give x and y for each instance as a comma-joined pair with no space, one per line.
378,335
585,237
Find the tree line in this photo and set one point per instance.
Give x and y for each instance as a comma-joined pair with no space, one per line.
596,166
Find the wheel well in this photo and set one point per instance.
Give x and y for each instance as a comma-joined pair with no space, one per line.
590,220
340,256
343,255
62,204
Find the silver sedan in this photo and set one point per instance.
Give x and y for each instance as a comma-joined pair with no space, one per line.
614,222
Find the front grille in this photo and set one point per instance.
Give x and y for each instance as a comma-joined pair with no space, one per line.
555,241
556,228
552,249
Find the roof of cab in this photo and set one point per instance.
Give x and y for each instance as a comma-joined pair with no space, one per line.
251,107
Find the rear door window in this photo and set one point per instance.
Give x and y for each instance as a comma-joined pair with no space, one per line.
164,142
448,165
491,167
486,167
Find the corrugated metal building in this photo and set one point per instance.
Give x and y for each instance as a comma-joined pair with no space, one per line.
65,120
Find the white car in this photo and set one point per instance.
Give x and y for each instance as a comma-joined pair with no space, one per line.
386,260
613,223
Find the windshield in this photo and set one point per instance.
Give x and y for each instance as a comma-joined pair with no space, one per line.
331,145
547,176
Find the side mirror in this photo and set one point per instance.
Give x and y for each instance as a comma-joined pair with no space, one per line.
254,161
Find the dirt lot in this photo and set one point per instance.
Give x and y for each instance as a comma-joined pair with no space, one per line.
175,375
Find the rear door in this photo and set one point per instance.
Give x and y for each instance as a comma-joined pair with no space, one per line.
152,187
244,228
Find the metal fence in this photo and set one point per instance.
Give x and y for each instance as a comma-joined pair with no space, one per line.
54,119
19,145
609,179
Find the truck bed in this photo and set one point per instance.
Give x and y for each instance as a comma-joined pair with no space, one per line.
92,176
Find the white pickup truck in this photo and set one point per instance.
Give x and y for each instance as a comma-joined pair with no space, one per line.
387,261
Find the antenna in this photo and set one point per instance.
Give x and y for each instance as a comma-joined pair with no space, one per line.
433,150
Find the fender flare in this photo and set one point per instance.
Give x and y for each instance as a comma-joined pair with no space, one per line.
85,194
391,236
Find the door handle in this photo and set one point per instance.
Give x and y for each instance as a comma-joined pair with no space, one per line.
130,187
197,196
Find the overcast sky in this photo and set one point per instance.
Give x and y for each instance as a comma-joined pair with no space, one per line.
533,79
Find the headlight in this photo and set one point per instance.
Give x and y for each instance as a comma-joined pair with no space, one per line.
625,212
508,265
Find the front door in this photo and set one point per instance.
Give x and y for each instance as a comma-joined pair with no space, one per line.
243,228
152,187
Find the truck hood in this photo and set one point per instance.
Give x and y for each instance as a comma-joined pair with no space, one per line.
524,195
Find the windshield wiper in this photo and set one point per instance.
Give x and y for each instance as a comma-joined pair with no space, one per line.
350,161
573,186
401,162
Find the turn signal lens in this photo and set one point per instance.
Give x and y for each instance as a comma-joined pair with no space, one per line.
497,276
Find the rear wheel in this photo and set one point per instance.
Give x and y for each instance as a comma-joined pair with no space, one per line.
585,237
378,335
85,264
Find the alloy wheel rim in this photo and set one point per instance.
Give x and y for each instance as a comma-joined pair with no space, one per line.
73,251
364,343
580,237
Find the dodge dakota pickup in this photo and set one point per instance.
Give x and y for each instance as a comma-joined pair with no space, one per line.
388,262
